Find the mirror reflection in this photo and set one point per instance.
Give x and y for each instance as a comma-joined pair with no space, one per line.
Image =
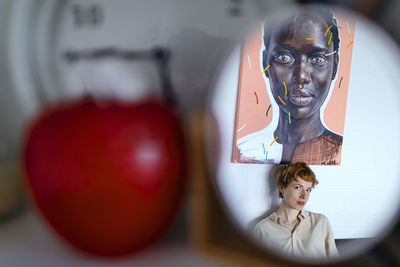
308,162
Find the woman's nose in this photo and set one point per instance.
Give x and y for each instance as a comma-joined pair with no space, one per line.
301,74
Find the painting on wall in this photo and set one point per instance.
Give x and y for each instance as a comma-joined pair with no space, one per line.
292,90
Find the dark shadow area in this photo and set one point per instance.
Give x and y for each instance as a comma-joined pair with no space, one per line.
194,61
344,245
273,196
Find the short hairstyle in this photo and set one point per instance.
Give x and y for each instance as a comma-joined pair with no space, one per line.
285,174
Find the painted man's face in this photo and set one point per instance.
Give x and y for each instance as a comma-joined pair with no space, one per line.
306,66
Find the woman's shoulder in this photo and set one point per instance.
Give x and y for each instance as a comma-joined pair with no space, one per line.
316,217
267,220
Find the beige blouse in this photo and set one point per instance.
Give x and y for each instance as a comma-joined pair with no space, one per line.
312,237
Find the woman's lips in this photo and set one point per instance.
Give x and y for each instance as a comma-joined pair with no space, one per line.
301,203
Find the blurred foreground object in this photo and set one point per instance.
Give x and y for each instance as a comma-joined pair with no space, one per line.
108,177
12,198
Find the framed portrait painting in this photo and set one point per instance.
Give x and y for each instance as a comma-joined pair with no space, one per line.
292,92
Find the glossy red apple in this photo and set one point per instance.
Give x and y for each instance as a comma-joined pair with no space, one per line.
107,177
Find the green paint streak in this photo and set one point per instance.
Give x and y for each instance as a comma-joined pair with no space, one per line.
330,38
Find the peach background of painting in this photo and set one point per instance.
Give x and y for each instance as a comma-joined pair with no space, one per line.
251,83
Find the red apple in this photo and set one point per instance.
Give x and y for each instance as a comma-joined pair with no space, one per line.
109,177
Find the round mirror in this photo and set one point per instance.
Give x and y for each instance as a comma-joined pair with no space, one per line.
307,152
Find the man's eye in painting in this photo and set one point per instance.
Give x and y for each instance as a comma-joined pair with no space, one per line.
284,58
318,60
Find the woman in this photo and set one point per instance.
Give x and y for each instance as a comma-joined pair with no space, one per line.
291,229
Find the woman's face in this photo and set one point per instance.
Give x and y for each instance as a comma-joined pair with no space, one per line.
296,194
304,66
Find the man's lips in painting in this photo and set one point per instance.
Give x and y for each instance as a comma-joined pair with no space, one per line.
300,97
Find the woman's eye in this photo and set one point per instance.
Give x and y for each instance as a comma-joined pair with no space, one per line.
284,58
318,60
309,190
